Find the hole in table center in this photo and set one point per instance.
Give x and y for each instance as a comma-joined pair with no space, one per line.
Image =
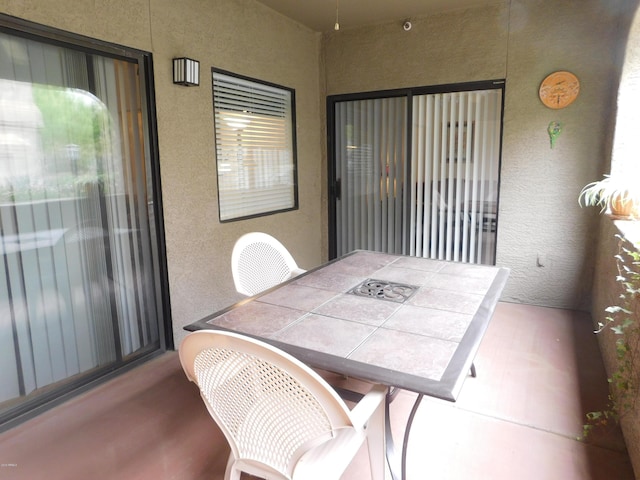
384,290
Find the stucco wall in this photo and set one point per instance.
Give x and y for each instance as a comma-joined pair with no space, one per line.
540,222
606,292
241,36
522,41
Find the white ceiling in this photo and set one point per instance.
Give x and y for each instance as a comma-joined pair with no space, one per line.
320,15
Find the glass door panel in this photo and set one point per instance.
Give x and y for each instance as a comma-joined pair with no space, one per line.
78,289
371,169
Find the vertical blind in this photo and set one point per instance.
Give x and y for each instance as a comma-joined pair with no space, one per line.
255,148
77,293
454,175
370,138
437,198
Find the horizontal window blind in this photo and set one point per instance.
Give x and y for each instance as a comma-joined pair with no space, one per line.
255,147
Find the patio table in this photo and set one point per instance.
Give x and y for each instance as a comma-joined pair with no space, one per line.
405,322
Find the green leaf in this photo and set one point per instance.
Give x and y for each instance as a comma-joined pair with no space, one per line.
594,415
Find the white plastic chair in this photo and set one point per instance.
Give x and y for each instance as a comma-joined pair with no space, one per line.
281,419
259,262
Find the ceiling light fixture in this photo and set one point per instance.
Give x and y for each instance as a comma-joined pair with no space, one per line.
337,25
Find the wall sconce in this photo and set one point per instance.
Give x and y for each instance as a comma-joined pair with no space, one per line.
186,72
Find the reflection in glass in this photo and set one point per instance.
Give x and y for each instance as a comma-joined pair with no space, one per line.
77,292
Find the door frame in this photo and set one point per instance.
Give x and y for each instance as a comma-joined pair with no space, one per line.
334,187
64,390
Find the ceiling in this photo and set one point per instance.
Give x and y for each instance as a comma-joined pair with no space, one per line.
320,15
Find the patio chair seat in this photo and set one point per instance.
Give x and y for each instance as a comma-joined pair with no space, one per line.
281,419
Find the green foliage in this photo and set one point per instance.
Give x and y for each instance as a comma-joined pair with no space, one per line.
71,116
602,192
73,139
623,322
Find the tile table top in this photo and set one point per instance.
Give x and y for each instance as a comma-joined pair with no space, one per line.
419,329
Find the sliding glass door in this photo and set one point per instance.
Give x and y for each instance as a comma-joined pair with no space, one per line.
417,172
79,293
371,170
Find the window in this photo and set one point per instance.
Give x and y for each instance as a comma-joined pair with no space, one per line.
625,164
255,147
82,288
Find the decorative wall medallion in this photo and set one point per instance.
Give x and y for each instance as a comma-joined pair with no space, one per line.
559,90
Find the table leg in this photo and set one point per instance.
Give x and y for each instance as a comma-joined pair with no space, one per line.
398,467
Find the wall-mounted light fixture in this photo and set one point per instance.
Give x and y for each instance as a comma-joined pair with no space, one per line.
186,72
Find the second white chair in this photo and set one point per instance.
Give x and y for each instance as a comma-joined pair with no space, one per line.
282,421
259,262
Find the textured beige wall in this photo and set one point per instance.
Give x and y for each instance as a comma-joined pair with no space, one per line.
606,289
521,41
455,47
606,293
539,213
241,36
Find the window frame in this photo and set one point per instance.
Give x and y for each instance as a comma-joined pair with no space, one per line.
293,151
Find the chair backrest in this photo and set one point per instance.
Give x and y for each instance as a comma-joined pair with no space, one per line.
270,407
259,262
